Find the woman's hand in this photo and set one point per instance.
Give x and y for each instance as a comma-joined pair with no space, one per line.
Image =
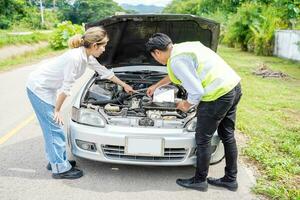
58,118
128,89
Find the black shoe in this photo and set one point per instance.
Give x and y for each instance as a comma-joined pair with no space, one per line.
193,184
73,173
72,162
220,182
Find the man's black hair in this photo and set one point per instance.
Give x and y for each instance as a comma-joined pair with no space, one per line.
158,41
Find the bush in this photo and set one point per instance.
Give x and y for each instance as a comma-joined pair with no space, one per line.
238,30
261,41
252,28
63,32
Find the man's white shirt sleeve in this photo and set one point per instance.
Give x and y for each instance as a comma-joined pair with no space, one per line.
184,68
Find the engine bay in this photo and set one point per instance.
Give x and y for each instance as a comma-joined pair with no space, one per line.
112,100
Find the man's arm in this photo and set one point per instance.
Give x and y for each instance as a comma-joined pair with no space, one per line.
184,68
166,80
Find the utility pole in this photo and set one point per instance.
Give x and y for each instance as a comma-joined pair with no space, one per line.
42,13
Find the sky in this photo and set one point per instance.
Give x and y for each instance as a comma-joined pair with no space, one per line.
146,2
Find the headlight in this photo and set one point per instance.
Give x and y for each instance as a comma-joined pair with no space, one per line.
88,117
191,125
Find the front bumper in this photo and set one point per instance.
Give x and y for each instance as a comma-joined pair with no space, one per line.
109,144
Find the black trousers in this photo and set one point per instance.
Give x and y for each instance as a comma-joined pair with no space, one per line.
217,115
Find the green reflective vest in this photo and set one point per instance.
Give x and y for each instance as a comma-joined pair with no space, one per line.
216,75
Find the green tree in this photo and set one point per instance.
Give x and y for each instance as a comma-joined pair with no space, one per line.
183,7
201,7
248,24
83,11
11,10
18,14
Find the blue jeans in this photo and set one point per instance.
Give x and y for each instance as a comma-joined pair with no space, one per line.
54,137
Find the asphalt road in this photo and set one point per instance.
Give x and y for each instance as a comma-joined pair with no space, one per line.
22,161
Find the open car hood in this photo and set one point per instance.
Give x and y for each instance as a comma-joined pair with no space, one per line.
129,33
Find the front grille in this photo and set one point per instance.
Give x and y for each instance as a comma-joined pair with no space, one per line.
170,154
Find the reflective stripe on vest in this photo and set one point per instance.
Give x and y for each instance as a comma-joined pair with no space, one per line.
216,75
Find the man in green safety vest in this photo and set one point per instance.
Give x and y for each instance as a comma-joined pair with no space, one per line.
215,88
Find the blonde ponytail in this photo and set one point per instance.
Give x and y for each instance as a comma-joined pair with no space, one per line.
92,35
75,41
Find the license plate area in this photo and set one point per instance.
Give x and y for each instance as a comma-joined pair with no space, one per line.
142,146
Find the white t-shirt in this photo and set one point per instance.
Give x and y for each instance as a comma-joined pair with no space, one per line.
58,74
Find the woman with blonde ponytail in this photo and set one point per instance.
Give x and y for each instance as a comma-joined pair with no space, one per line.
50,84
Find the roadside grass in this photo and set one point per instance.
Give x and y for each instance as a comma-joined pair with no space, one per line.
27,58
269,114
35,37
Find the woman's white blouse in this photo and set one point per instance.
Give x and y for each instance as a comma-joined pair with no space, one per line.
58,74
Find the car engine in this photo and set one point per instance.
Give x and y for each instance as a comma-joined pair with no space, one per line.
112,100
